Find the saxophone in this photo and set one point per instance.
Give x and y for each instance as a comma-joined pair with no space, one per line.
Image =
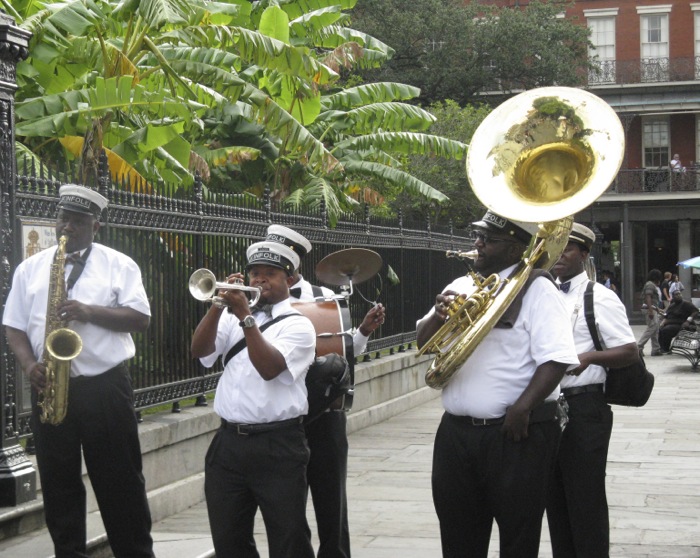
61,345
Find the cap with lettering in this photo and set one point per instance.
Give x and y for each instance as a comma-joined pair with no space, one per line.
81,200
519,230
274,254
290,238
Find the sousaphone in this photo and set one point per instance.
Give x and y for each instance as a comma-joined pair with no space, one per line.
539,157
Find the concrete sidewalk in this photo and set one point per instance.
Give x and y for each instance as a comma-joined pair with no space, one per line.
653,484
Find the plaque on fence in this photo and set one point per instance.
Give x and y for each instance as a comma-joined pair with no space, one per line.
37,235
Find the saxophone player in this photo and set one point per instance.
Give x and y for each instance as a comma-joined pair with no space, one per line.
104,301
497,440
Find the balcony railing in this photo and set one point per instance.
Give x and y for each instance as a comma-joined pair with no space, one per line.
644,70
640,181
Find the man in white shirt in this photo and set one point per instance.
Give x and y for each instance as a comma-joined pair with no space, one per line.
327,434
105,301
676,164
258,457
498,438
577,507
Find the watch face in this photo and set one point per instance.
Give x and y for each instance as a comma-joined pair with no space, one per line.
248,321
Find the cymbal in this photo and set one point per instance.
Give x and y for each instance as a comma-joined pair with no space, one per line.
353,264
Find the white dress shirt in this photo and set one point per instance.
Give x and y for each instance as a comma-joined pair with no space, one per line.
242,395
611,318
503,364
109,279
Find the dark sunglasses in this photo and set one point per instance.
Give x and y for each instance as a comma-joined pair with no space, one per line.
487,239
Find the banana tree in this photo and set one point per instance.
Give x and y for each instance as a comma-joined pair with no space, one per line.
248,91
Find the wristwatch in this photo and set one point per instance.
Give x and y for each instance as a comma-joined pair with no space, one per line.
247,322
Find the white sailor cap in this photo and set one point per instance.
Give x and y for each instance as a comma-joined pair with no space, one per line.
274,254
81,200
290,238
583,235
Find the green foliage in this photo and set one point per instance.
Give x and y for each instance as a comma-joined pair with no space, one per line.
450,175
248,94
456,50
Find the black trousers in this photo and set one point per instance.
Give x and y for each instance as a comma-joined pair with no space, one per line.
265,470
101,421
577,507
327,475
479,475
666,335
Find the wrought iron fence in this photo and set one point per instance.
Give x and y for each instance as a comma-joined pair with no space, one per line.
170,232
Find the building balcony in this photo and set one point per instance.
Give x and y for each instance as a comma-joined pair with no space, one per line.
661,180
644,70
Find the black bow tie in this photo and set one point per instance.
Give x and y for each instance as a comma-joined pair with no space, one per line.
295,292
564,287
73,258
267,308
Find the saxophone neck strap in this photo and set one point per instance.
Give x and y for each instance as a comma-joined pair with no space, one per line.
78,267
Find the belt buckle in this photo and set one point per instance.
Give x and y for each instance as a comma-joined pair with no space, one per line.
479,422
241,432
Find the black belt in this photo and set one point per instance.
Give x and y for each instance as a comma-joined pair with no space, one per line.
578,390
118,369
542,413
246,429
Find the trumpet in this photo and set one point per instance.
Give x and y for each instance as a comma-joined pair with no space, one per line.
467,257
203,285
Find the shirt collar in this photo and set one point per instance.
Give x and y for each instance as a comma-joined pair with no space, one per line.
282,307
575,282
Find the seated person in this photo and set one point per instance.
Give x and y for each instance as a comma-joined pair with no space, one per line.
680,314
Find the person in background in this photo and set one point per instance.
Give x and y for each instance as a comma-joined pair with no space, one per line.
259,455
609,280
680,314
106,300
675,164
675,285
651,296
577,506
665,294
497,440
327,435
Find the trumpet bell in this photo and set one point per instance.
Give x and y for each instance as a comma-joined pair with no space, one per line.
202,284
545,154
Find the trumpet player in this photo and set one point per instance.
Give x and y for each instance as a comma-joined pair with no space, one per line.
105,301
259,455
327,435
497,440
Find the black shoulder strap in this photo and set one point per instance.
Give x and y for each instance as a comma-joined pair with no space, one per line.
238,347
509,317
589,313
317,291
78,268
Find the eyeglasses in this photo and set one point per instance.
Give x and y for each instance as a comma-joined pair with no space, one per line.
487,239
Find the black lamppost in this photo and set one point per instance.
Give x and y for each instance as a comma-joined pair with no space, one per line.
17,473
